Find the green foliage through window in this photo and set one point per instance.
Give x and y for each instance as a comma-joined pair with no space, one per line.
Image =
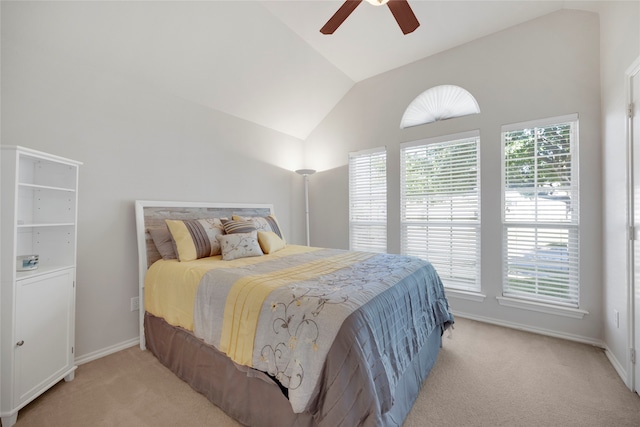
541,227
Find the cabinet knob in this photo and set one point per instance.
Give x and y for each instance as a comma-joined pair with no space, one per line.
20,343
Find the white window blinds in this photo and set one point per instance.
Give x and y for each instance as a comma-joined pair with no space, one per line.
541,211
368,200
440,206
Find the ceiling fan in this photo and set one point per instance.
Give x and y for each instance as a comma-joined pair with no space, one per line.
399,8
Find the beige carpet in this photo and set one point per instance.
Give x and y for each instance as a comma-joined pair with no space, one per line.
485,376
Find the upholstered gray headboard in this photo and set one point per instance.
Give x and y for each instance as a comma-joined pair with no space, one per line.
153,213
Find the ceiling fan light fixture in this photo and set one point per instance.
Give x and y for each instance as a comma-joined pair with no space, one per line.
400,10
377,2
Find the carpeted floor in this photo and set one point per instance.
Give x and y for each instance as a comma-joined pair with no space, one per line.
485,376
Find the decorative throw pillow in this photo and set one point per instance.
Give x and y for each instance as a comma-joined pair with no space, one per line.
162,239
262,223
239,245
270,242
195,238
237,226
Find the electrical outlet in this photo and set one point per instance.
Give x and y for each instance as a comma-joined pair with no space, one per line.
135,303
616,318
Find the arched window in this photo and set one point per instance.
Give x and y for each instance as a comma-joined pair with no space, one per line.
439,103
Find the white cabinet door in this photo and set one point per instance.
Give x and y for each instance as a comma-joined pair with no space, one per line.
44,331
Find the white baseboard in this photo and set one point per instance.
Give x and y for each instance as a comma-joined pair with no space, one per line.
572,337
527,328
106,351
622,372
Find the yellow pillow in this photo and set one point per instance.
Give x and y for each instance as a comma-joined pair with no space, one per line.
270,242
195,238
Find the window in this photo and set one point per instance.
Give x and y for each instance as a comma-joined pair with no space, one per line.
439,103
368,200
541,211
440,206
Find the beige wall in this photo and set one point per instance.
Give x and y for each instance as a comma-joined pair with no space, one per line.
542,68
140,142
620,47
136,142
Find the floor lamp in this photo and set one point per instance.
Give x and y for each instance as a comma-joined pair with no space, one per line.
305,173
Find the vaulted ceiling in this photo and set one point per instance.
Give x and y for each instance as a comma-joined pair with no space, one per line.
262,61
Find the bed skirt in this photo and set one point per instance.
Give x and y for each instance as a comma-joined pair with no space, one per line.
254,399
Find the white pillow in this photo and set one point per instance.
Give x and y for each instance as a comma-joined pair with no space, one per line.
239,245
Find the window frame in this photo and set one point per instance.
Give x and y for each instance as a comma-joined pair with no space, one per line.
373,226
468,257
539,231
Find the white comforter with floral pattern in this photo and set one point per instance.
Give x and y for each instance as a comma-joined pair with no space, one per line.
281,316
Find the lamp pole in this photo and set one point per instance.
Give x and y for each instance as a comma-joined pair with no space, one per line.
305,173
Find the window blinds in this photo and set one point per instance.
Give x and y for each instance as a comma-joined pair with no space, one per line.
368,200
440,206
541,211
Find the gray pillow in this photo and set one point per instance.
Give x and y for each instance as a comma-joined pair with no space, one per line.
162,239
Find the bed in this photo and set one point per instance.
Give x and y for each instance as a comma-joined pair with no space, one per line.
284,335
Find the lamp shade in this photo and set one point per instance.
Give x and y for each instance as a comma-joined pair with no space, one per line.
305,171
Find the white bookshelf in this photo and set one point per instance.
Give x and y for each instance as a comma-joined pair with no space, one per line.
38,217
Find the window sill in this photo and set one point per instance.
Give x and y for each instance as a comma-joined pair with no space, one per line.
575,313
468,295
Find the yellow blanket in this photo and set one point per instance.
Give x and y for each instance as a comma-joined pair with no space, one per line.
171,285
246,297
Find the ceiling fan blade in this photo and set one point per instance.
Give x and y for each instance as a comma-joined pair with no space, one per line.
338,18
404,15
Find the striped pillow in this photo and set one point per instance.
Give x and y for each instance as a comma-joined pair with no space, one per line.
195,238
237,226
262,223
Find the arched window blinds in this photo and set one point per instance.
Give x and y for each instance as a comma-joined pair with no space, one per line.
439,103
